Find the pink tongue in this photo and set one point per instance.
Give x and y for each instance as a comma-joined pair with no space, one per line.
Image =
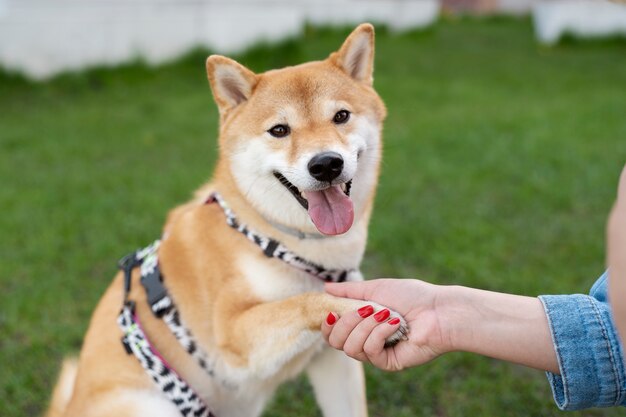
331,210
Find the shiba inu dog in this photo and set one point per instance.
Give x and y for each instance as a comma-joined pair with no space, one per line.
232,301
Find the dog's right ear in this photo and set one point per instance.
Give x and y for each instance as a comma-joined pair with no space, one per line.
231,82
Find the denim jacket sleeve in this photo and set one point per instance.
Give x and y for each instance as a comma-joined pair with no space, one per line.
588,349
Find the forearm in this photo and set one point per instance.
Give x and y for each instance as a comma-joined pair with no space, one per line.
502,326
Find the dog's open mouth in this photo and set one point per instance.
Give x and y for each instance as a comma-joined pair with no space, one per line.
330,209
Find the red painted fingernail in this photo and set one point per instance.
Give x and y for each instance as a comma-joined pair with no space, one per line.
331,319
394,321
382,315
365,311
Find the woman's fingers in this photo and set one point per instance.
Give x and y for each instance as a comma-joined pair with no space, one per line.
342,329
327,325
354,344
374,346
361,334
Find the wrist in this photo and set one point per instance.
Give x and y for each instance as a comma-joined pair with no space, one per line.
455,313
502,326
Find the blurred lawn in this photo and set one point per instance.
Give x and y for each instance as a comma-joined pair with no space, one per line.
501,161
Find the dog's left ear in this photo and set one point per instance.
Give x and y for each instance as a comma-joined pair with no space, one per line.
356,55
231,82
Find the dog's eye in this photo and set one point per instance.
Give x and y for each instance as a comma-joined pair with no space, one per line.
279,131
341,117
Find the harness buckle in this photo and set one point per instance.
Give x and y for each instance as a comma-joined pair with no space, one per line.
126,264
156,292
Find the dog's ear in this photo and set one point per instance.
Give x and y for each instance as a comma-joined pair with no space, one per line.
231,82
356,55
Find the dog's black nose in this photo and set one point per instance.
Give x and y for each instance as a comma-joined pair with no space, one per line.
326,166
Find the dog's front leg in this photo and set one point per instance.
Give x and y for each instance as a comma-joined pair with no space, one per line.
339,384
263,338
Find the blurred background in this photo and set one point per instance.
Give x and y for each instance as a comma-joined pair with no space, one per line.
42,37
505,138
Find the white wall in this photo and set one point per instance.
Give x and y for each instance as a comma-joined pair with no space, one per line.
516,7
43,37
582,18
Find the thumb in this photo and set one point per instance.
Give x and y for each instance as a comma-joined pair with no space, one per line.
358,290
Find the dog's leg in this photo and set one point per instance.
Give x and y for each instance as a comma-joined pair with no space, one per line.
264,337
339,384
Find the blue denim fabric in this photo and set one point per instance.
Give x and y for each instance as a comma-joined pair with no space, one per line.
588,349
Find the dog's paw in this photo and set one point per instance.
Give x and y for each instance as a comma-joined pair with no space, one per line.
403,331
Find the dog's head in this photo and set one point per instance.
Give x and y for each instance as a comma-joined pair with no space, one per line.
303,142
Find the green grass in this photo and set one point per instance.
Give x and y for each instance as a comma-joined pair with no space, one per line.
501,161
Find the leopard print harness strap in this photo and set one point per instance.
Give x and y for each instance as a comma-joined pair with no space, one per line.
175,388
274,249
135,341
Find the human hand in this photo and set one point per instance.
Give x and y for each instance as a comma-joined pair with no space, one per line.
363,338
616,257
441,319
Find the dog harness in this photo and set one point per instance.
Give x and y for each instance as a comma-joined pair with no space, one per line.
274,249
135,341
